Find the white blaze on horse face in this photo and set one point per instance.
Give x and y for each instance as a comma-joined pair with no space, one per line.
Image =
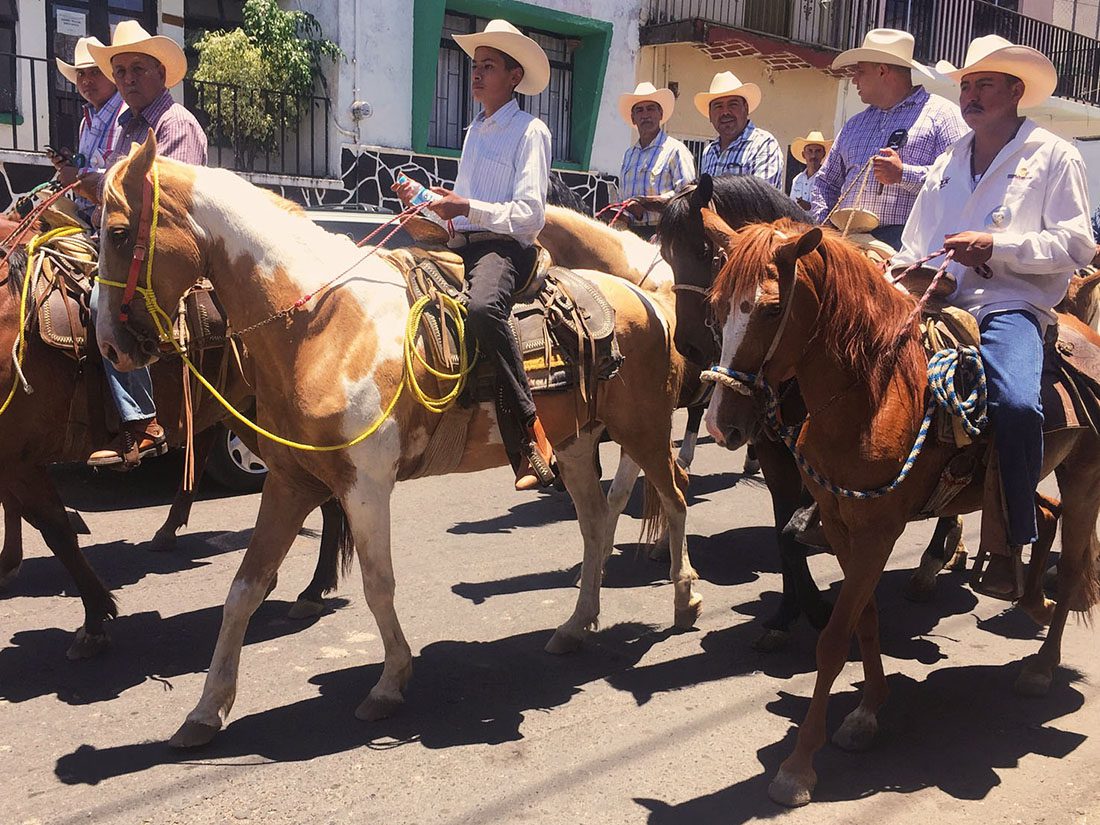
733,334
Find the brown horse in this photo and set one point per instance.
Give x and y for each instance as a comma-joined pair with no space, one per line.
335,369
799,302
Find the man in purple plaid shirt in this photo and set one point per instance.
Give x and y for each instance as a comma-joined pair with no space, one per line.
883,76
144,68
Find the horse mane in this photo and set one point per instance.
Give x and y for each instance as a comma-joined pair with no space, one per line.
559,193
738,199
860,314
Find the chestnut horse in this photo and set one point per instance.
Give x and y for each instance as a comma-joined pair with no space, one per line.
334,371
799,302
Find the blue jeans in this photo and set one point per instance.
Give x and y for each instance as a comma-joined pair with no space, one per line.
1012,350
889,234
132,391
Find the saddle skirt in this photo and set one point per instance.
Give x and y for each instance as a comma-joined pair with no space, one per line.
564,324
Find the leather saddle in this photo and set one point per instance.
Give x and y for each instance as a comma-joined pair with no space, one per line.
564,325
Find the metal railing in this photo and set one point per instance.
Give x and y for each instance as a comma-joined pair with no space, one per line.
261,130
24,111
942,29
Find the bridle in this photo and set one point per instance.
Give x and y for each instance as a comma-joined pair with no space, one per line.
717,262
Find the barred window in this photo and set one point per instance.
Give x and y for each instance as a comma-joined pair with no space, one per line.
8,17
454,106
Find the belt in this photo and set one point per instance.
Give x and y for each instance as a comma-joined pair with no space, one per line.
462,239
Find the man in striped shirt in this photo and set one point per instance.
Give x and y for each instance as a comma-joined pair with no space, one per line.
497,209
742,147
657,165
883,75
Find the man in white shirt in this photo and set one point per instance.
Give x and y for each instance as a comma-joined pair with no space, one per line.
1010,201
812,149
657,165
497,209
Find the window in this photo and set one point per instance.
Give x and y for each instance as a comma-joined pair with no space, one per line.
8,17
454,107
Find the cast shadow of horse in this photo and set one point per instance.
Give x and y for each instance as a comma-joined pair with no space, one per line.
121,563
953,731
147,646
734,557
152,484
463,693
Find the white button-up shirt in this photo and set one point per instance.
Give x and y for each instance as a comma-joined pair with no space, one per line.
504,172
1033,199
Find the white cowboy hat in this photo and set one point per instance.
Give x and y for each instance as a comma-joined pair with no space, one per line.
726,84
504,37
995,54
815,138
131,37
890,46
644,92
82,59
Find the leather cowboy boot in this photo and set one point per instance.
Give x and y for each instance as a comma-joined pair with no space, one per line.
136,440
998,567
537,469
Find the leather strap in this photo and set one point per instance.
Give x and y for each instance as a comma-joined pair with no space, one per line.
141,249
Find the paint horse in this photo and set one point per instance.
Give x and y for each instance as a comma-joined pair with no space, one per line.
335,369
799,302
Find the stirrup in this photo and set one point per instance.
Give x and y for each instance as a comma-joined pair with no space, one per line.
980,582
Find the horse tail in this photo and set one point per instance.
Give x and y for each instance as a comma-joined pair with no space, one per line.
337,549
653,516
345,541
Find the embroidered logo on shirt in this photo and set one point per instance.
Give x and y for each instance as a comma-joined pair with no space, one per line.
943,183
1021,173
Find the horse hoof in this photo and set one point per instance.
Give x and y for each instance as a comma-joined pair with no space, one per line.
374,708
9,577
958,559
771,640
1041,612
658,551
1033,682
193,735
561,643
686,617
305,609
163,541
857,732
86,645
791,791
919,589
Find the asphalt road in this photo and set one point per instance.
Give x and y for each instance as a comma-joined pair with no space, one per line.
642,726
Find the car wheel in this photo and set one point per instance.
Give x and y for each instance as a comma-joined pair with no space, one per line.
234,466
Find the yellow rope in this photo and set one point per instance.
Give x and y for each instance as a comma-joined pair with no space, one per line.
32,248
432,404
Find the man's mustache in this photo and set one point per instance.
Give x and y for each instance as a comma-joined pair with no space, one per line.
973,107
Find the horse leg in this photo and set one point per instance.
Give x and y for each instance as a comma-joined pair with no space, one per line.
578,471
945,549
800,591
1078,583
794,783
42,508
283,508
859,728
326,575
691,436
164,540
11,556
1034,601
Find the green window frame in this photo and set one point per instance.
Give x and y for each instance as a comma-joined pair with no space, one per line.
589,65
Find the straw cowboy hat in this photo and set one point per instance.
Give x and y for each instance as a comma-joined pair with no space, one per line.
131,37
726,84
890,46
82,59
504,37
815,138
995,54
646,91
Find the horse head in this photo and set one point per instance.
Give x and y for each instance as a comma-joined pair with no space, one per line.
767,314
149,254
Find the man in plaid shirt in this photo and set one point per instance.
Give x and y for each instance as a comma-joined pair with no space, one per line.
742,147
883,76
657,165
144,68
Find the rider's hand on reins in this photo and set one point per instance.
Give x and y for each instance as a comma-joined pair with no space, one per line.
971,249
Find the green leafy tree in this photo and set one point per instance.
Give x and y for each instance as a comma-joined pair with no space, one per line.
255,83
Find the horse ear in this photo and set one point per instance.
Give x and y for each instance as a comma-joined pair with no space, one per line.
718,231
703,192
141,157
787,257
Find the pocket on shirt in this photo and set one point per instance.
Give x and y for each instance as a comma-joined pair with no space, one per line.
1017,194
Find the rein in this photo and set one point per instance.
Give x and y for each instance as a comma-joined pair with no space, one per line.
619,207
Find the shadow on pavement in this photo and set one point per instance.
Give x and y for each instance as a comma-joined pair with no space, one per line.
462,693
953,731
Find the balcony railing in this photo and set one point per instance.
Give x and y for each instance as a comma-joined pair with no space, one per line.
24,113
260,130
942,29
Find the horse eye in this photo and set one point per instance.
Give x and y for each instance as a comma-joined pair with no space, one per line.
119,234
771,309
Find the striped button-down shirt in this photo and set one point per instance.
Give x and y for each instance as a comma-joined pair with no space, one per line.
504,172
179,136
97,131
932,125
753,152
658,169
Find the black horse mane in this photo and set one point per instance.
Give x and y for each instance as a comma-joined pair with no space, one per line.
738,199
17,270
559,193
